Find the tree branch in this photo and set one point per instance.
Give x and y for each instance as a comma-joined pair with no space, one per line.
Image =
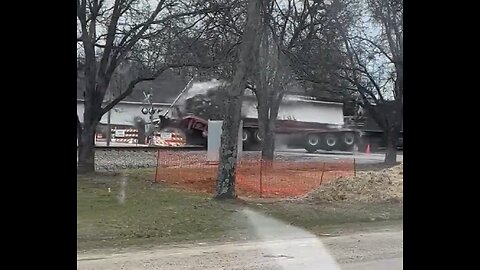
111,31
133,83
146,24
378,47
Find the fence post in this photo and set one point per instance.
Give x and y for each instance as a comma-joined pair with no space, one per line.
354,168
156,167
323,171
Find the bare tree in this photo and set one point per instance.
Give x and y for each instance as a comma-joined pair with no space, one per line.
108,33
341,49
375,65
228,151
314,55
270,86
286,25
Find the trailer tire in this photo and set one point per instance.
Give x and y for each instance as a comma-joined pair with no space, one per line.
330,142
246,139
312,142
348,141
256,136
245,135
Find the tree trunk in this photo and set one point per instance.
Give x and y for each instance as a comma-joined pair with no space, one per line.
391,137
79,131
228,150
268,141
266,126
91,118
86,149
262,112
392,133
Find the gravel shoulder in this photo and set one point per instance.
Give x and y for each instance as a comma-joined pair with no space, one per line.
120,160
123,159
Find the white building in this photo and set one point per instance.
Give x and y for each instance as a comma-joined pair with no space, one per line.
124,112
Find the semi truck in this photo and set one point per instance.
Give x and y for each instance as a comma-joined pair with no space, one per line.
302,122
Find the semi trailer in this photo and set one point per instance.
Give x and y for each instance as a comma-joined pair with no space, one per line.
302,122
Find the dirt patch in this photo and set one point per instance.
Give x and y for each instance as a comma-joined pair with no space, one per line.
371,186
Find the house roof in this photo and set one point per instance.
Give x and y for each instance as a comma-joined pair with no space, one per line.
164,89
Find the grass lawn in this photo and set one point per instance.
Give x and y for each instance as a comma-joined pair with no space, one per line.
149,214
116,211
334,218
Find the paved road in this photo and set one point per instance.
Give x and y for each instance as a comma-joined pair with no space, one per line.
278,246
361,158
294,254
387,264
379,251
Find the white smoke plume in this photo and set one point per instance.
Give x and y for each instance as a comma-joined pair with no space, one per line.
199,88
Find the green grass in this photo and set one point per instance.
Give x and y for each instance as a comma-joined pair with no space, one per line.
153,214
334,217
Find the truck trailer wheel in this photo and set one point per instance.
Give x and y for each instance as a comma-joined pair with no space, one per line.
257,136
246,139
330,142
312,143
245,135
348,141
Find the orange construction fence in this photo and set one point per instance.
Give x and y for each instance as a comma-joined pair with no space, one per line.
254,177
